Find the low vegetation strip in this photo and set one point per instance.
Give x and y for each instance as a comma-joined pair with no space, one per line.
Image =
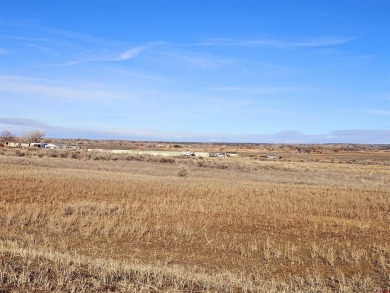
48,271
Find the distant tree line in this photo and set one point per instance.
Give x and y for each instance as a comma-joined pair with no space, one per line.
30,136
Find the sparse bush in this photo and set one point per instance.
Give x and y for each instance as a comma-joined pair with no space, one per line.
20,153
75,155
222,166
135,158
183,171
68,211
114,158
202,164
98,157
167,160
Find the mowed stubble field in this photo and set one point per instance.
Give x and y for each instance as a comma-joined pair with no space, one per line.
133,224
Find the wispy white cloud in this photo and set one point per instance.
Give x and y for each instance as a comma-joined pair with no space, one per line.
4,51
257,90
76,47
382,112
226,88
131,53
23,122
346,55
42,48
15,84
25,39
280,43
73,36
135,74
20,125
192,59
122,56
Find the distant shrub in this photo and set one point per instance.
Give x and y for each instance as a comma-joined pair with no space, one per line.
182,172
98,157
221,166
167,160
202,164
114,158
75,155
135,158
68,211
20,153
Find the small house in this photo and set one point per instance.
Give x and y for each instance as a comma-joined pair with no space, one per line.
12,144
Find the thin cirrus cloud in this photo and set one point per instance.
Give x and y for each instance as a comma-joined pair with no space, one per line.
55,33
128,54
380,112
257,90
226,88
131,53
16,84
4,51
21,125
193,59
43,49
23,122
123,56
280,43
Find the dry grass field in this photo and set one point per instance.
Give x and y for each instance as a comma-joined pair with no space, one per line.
78,222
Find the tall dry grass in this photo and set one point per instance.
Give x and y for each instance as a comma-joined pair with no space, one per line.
93,225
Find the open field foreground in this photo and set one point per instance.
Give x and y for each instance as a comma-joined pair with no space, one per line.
82,224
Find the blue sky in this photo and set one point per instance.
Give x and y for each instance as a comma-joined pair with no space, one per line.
236,71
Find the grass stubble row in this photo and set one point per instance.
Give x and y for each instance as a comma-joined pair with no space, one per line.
78,225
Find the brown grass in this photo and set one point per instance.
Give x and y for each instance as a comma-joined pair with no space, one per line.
80,224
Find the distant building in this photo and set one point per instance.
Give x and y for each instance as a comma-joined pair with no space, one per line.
12,144
38,145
